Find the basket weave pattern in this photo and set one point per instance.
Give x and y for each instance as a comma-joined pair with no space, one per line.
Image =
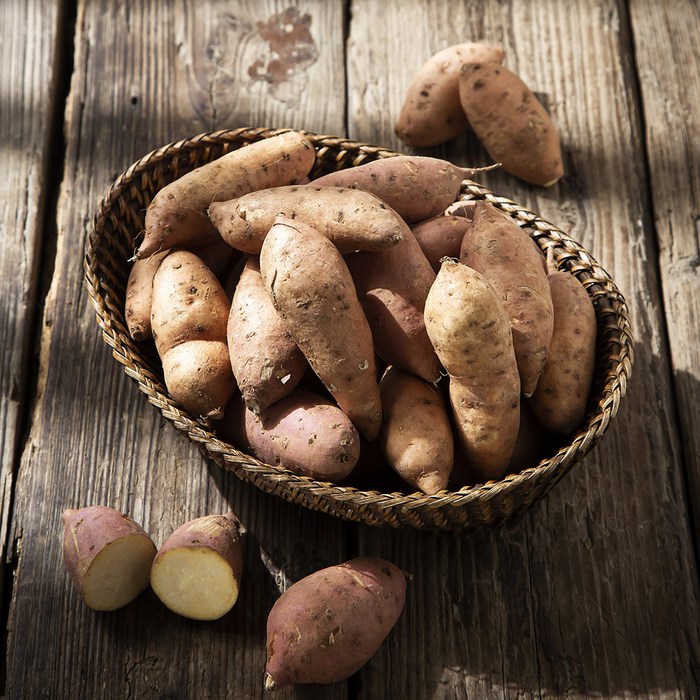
111,243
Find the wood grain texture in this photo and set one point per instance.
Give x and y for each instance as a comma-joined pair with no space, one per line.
27,87
604,564
667,60
145,74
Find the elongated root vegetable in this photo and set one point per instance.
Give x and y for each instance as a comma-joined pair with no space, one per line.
416,436
177,215
511,123
108,556
559,402
415,187
500,250
189,318
441,237
312,290
432,112
353,220
392,287
471,334
139,295
197,571
327,626
266,362
303,432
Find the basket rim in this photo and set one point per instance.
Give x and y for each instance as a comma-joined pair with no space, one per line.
567,254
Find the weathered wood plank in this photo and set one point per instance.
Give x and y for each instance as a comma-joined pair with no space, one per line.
595,590
26,112
147,73
667,61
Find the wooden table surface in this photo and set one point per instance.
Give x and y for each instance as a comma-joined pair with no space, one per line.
593,592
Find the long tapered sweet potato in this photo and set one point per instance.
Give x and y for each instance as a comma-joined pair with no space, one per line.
197,571
441,237
326,626
266,362
471,334
313,291
352,220
432,112
177,216
108,556
500,250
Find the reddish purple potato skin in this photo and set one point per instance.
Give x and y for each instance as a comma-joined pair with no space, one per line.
328,625
441,237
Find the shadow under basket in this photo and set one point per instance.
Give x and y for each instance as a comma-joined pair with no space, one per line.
111,243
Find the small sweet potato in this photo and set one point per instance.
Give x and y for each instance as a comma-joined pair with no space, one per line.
432,112
197,571
139,295
312,290
108,556
415,187
500,250
266,362
559,402
302,432
352,220
392,287
441,237
471,334
511,123
326,626
416,433
189,318
177,216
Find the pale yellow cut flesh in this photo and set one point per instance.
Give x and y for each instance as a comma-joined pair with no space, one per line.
195,582
119,573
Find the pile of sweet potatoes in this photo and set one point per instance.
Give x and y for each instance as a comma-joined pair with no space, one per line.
352,314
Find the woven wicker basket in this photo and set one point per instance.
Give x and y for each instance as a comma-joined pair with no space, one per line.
110,244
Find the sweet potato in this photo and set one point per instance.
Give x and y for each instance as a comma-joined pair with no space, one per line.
392,287
326,626
441,237
471,334
303,432
559,402
197,571
139,295
312,290
432,112
177,216
416,433
500,250
352,220
108,556
189,319
266,362
511,123
415,187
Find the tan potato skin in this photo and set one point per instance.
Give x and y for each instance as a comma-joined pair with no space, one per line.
511,123
432,112
326,626
415,187
189,319
559,402
500,250
266,362
313,291
87,531
177,216
416,433
441,237
302,432
139,296
392,287
351,219
472,337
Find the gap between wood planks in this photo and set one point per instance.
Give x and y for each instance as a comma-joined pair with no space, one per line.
627,33
45,255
